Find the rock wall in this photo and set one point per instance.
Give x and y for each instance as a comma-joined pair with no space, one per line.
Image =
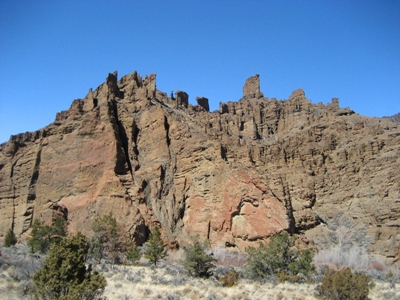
235,176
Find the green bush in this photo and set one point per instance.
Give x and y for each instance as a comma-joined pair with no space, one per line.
155,250
343,284
10,238
197,262
64,274
278,258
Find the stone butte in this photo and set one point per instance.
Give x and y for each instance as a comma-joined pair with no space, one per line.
236,176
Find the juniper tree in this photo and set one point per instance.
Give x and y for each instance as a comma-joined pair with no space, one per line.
155,250
303,263
133,254
197,262
44,236
10,238
64,274
278,257
270,259
108,239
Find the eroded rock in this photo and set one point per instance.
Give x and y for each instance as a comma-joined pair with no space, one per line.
255,168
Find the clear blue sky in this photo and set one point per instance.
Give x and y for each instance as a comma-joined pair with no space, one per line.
52,52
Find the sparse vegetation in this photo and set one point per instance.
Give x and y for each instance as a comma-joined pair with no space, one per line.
344,284
169,279
277,266
10,238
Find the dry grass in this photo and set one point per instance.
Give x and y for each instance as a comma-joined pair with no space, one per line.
169,282
138,282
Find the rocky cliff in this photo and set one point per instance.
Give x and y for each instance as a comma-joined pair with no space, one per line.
254,168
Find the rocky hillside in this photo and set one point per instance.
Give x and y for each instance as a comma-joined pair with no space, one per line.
235,176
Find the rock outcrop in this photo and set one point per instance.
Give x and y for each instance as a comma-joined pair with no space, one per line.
235,176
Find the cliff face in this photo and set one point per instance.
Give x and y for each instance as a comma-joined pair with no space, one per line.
235,176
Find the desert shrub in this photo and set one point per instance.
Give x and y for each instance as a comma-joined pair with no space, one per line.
179,280
172,296
221,271
213,297
230,279
390,277
278,257
65,276
155,247
197,262
344,284
10,238
283,276
172,269
17,273
19,264
44,236
160,279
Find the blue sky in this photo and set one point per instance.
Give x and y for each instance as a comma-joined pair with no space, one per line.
52,52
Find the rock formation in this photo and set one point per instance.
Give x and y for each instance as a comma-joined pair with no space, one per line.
395,118
203,102
236,176
251,88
